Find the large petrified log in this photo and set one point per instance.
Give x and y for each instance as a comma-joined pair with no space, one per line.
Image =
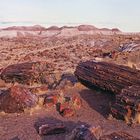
107,76
118,136
16,99
26,73
127,105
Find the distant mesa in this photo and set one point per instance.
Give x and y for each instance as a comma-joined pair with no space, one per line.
105,29
53,28
86,28
93,28
64,31
26,28
115,30
56,28
67,27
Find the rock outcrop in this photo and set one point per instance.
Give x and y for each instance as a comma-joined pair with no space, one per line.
16,99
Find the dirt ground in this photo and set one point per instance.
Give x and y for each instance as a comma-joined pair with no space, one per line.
94,111
65,54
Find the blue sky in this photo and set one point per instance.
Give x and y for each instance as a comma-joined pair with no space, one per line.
124,14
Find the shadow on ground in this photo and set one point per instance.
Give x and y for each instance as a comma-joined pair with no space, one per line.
98,100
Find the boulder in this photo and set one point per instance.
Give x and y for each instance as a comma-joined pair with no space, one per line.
16,99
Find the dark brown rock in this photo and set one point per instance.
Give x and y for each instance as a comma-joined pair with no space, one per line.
52,129
85,133
50,80
64,84
67,112
118,136
26,73
16,99
51,100
127,105
107,76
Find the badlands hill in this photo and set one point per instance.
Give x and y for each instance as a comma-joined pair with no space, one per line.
65,31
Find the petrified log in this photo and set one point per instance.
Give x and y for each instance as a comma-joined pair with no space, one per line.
107,76
127,105
52,129
26,73
16,99
118,136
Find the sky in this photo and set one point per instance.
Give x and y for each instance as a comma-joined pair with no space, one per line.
123,14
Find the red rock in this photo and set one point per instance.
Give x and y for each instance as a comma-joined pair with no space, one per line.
76,102
63,106
52,129
23,96
16,99
51,100
67,112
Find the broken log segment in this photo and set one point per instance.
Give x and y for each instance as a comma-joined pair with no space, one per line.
127,105
16,99
26,73
107,76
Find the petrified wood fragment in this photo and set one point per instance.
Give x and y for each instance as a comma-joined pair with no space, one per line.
85,133
107,76
118,136
52,129
26,73
16,99
127,105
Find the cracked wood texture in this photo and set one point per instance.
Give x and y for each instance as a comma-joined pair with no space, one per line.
26,73
107,76
127,105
